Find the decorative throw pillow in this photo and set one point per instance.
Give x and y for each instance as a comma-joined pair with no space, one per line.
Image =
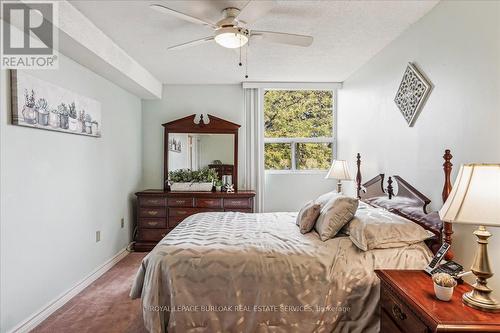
334,215
325,198
377,228
307,216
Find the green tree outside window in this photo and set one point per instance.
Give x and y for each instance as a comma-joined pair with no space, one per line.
298,114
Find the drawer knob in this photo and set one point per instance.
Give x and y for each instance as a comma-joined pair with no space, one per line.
152,223
152,212
154,201
179,201
181,212
398,313
163,234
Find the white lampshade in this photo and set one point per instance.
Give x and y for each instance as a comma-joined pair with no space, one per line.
475,197
339,170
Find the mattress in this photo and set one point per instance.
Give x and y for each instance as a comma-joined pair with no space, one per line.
237,272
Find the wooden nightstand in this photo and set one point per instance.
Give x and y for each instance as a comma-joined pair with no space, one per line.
408,304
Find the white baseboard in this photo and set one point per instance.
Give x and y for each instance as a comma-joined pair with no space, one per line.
50,308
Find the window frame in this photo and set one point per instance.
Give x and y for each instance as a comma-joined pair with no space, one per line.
293,141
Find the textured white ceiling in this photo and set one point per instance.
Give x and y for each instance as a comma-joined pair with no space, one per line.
346,35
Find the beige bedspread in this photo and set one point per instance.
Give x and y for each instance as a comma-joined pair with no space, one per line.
236,272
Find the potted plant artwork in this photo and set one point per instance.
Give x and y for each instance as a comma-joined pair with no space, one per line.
73,122
42,112
194,181
88,124
95,126
29,107
81,121
64,115
54,118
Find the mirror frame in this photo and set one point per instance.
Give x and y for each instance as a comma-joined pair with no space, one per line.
188,124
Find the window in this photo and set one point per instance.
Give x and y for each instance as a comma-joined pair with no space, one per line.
298,129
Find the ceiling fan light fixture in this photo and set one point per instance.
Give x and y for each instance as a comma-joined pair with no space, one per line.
231,37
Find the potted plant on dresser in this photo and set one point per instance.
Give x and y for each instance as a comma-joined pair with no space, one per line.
195,181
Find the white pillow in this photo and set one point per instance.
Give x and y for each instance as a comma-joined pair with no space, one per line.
325,198
307,216
334,215
377,228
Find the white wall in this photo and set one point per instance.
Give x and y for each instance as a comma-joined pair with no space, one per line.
223,101
289,192
457,45
282,192
57,189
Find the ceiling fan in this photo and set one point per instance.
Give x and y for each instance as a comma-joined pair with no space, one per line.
231,31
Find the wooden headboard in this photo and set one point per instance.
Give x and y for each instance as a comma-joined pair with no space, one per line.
408,201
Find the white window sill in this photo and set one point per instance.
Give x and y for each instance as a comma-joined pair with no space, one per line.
296,172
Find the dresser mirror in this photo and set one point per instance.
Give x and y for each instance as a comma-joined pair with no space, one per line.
196,151
195,142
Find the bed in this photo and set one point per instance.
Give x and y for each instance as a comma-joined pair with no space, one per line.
239,272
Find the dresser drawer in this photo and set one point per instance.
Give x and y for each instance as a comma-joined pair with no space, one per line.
172,212
241,210
152,222
173,221
399,313
208,203
177,215
180,202
152,201
238,203
152,212
154,235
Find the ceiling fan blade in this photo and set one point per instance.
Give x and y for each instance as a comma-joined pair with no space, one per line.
283,38
182,16
254,10
191,43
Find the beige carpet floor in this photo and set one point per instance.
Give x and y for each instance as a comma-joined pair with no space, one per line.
104,306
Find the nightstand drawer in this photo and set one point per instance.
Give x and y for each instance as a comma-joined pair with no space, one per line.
387,324
399,313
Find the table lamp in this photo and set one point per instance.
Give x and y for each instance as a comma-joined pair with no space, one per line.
475,199
340,171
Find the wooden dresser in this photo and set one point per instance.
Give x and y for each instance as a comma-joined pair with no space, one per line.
158,212
408,304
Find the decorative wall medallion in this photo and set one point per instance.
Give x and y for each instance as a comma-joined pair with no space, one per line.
412,93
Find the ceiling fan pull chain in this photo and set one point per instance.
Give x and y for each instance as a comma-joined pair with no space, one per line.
246,60
240,64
